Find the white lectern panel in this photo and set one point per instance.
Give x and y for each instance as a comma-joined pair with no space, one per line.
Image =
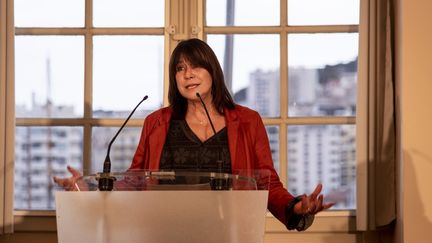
161,216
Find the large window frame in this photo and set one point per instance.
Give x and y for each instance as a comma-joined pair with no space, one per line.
340,220
183,19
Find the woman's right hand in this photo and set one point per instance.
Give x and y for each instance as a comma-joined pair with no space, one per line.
69,184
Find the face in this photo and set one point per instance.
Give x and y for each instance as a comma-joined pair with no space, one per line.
191,80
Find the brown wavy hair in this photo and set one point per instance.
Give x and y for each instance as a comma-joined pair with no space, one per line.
199,54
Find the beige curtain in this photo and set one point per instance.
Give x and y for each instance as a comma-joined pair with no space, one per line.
382,123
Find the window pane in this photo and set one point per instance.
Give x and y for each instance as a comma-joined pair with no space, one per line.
253,80
323,154
49,13
125,69
273,136
122,150
318,12
128,13
40,154
242,12
49,76
322,74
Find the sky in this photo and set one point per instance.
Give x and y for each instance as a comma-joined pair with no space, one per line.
127,68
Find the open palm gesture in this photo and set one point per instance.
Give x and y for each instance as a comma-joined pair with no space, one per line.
312,204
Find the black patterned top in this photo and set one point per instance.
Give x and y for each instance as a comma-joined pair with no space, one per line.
184,151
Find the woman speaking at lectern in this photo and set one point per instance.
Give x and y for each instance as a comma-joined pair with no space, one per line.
182,137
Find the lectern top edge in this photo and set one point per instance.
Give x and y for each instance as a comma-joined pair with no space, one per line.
145,180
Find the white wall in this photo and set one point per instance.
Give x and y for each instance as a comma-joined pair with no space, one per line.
414,69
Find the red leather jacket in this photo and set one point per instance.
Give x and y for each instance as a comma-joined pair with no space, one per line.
248,145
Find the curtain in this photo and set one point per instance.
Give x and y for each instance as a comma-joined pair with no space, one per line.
382,122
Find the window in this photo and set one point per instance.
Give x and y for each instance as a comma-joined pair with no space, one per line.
78,75
298,69
81,66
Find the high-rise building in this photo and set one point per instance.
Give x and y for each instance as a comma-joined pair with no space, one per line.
263,92
42,152
316,153
122,150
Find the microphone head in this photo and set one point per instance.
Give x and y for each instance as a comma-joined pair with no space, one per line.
198,95
145,97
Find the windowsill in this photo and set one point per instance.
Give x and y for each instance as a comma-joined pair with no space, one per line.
35,221
330,221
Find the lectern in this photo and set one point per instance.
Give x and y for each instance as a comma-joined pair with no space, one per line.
158,206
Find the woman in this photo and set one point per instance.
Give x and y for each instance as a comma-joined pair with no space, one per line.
181,137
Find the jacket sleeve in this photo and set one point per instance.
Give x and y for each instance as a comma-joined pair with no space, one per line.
279,197
140,159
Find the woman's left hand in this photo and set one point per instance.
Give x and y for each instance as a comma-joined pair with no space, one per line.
312,204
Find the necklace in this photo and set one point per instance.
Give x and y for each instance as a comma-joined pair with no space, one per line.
204,121
200,121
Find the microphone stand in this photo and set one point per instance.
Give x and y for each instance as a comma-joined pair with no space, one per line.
106,180
220,183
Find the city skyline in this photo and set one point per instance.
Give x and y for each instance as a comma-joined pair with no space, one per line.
304,142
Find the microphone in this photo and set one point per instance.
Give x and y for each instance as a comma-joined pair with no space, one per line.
218,183
106,181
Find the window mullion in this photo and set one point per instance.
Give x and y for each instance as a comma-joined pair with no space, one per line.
88,87
88,14
167,51
283,154
183,20
87,142
283,12
88,76
3,68
198,28
7,42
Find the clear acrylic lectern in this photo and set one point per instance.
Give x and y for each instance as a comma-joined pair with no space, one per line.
156,206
